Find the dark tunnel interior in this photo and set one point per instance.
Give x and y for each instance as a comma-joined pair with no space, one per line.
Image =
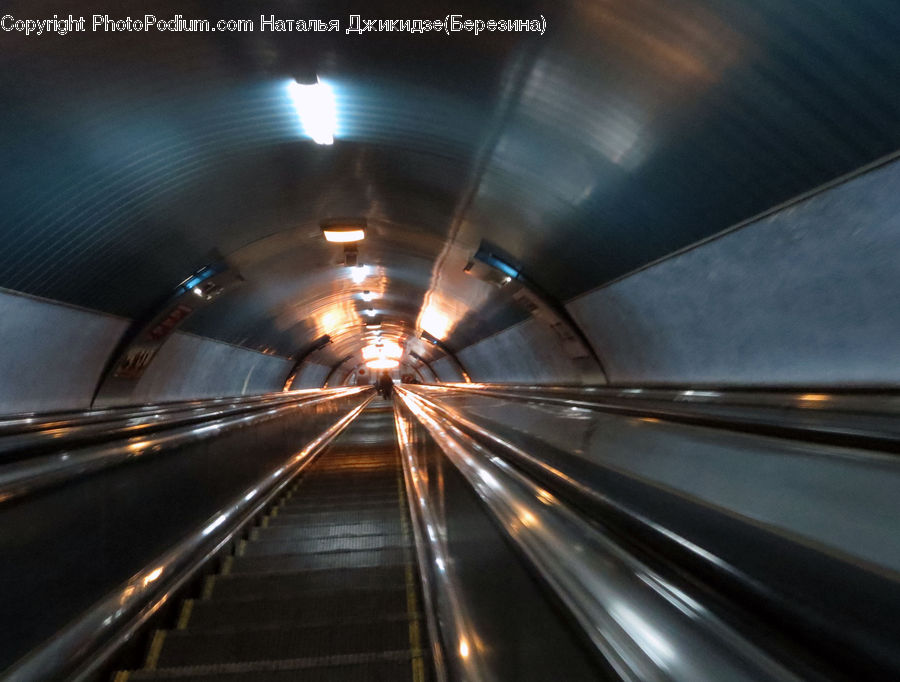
449,340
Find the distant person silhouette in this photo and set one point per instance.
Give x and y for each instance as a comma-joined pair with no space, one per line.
385,385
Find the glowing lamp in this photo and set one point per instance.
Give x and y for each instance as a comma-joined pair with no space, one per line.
382,363
316,108
344,235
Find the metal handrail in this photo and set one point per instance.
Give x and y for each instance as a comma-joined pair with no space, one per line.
86,645
646,627
438,585
30,422
870,420
77,433
25,477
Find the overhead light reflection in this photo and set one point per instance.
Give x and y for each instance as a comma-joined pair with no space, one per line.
435,322
382,363
359,273
316,107
386,349
153,575
815,397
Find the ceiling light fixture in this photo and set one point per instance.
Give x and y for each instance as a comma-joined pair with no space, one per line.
346,231
343,235
316,107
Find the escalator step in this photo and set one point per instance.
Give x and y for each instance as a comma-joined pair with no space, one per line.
358,462
347,530
337,517
320,505
371,470
288,585
317,608
343,500
338,493
185,648
261,548
362,458
348,488
398,670
362,475
324,560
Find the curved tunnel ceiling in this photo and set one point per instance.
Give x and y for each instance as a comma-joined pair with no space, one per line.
630,129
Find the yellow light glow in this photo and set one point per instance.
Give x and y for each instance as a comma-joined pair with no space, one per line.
359,273
391,350
385,349
331,321
463,648
336,318
317,109
545,497
382,363
435,322
815,397
153,575
344,235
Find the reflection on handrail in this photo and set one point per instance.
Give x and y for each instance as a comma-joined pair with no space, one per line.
22,478
82,648
645,626
42,431
870,420
439,585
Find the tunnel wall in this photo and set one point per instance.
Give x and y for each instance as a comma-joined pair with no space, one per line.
806,295
311,375
446,370
52,356
190,366
528,351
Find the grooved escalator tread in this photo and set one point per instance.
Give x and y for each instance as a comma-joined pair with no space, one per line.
336,517
346,530
304,499
261,548
317,608
283,563
333,484
359,478
287,585
185,648
374,670
343,504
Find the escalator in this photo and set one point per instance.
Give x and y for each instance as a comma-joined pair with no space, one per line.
325,587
